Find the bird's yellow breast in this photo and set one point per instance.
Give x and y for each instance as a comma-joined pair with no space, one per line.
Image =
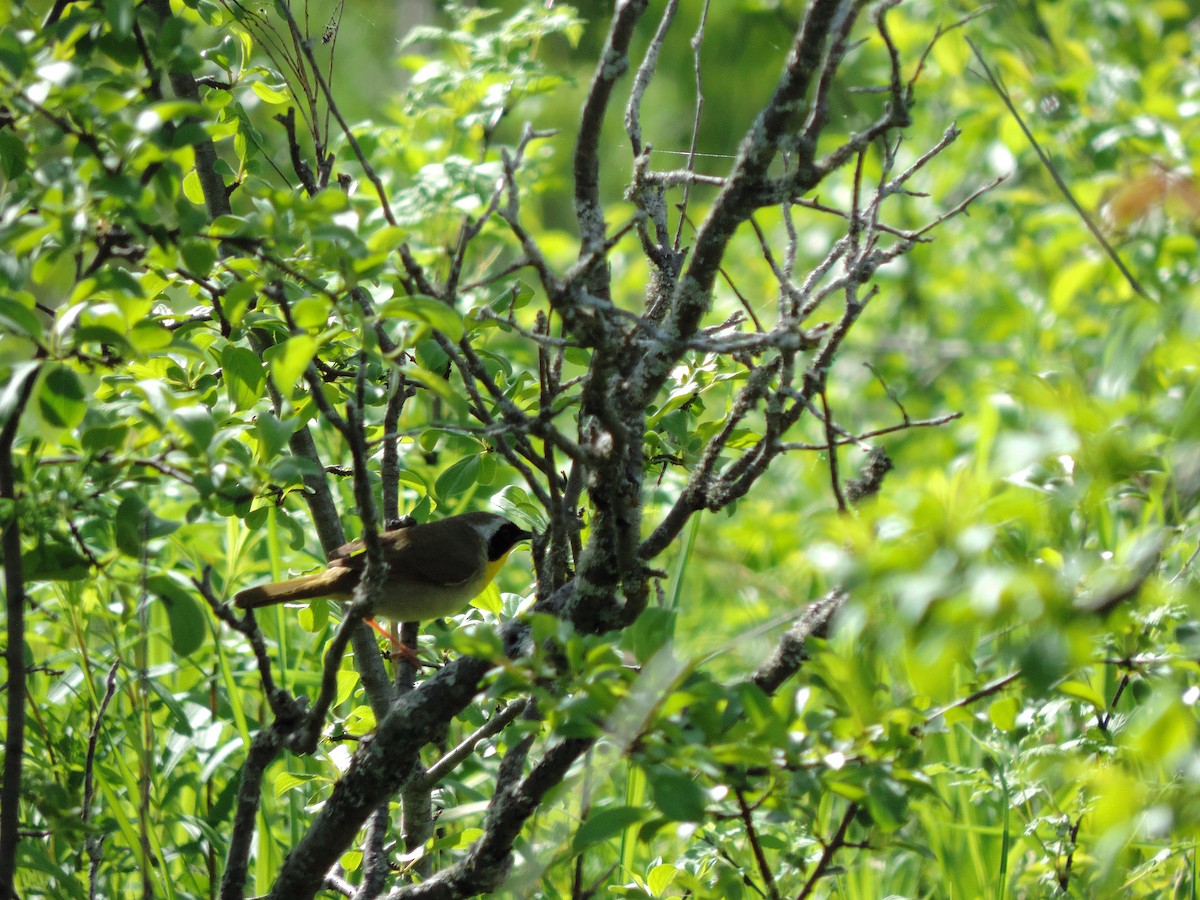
493,567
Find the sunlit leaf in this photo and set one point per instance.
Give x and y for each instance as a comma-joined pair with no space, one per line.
289,361
270,94
426,311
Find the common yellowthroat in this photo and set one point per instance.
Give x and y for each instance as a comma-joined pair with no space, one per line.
434,569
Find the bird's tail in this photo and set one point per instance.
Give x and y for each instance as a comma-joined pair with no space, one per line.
333,582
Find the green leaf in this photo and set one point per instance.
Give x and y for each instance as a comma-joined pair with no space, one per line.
134,524
457,839
605,824
430,355
237,300
654,629
289,781
459,480
19,319
272,434
197,422
185,615
1084,692
1003,713
289,469
660,878
192,189
61,400
244,376
120,16
435,383
887,803
55,561
1043,662
14,157
311,313
289,361
148,335
678,796
426,310
99,438
312,618
759,714
270,94
13,54
198,254
347,681
387,239
360,721
489,600
515,296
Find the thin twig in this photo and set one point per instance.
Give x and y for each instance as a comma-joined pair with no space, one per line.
282,704
993,79
938,35
760,858
831,847
697,43
1064,875
833,458
95,839
992,687
490,728
1187,565
859,439
1103,718
367,168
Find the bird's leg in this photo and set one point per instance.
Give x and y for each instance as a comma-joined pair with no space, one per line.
400,650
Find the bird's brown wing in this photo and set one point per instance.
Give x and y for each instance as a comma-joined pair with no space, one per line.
422,553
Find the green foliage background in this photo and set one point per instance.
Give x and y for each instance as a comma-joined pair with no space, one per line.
991,731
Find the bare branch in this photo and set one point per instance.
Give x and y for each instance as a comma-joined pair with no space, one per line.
589,209
831,443
697,43
467,745
865,436
367,168
13,401
490,857
283,705
645,73
760,146
790,653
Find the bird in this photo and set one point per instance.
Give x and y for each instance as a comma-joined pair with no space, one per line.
433,569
